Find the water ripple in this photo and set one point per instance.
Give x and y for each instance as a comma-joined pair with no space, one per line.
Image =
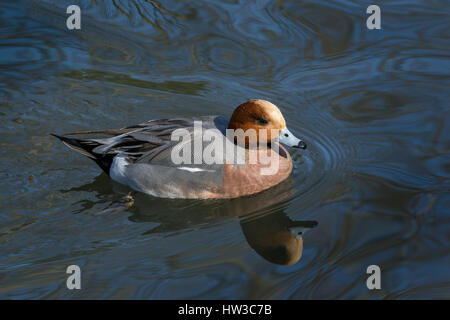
372,187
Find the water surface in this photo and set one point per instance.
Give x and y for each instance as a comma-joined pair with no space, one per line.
373,187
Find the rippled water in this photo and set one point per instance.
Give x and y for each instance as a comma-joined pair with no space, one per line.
373,187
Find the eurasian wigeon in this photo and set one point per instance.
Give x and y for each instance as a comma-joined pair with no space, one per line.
143,156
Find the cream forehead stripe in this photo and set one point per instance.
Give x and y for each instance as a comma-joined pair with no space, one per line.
272,112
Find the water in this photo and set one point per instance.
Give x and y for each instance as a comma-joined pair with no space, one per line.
373,186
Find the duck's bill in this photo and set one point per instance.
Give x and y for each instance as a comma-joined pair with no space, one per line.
287,138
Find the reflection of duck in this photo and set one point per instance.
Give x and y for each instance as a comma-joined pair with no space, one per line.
276,237
266,227
142,156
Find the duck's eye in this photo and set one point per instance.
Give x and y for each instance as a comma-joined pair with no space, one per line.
260,120
286,135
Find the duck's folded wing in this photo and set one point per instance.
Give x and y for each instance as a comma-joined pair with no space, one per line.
143,140
142,143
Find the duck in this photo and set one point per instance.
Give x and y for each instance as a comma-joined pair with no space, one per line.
189,158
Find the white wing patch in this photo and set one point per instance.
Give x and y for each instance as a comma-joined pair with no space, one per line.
194,169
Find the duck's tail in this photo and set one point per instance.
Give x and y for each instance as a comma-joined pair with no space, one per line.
86,147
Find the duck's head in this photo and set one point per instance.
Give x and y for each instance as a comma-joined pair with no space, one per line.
261,115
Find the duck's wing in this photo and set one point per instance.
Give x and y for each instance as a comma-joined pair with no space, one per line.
140,143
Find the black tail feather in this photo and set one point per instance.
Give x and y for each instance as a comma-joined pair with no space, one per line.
85,147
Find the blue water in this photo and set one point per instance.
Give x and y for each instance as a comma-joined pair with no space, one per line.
373,187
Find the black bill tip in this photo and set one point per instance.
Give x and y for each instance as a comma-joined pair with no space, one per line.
301,145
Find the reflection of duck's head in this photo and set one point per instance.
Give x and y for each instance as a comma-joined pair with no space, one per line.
276,237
